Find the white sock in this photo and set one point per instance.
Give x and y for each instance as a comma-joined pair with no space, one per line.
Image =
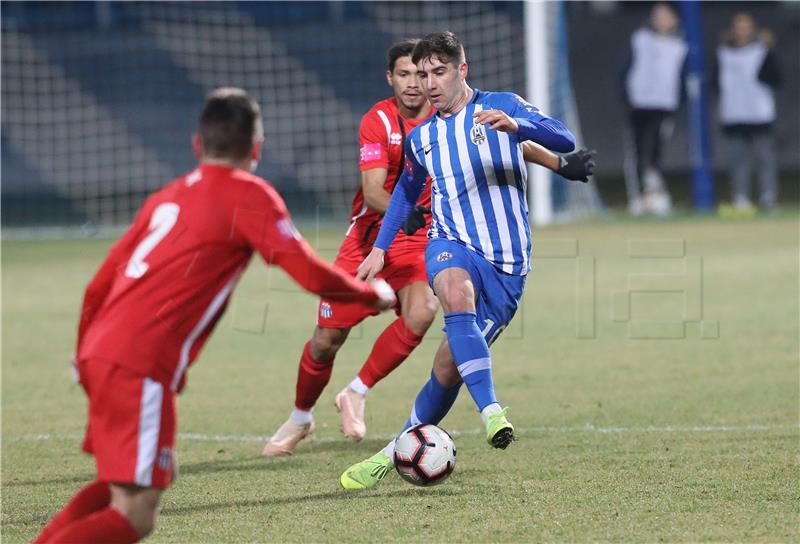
358,386
301,417
493,408
389,450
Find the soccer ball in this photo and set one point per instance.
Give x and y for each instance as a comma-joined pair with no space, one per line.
424,455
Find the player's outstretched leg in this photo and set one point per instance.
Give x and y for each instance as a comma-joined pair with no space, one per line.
431,405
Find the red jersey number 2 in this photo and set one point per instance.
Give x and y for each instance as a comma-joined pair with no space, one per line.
164,218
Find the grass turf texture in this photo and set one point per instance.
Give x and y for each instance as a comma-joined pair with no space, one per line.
622,439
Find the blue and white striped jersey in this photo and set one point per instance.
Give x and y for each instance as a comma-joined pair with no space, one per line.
479,178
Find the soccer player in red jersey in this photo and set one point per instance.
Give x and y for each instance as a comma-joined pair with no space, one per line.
382,137
155,300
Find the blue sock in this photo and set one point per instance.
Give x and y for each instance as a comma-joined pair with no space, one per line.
471,353
433,402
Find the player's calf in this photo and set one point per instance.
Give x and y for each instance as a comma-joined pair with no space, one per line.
139,505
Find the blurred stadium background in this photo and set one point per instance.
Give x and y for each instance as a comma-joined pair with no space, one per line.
99,99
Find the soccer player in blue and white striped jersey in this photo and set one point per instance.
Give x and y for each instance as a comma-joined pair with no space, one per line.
478,254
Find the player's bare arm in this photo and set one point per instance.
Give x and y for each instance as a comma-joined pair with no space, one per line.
577,166
536,154
376,197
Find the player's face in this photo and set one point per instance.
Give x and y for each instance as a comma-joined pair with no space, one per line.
663,19
744,28
406,84
442,82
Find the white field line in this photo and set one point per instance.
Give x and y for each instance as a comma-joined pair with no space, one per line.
590,429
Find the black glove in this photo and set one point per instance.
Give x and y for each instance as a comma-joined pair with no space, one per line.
578,165
415,220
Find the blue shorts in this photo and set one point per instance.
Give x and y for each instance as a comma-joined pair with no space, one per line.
498,294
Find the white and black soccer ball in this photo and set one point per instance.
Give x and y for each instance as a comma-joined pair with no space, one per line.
424,455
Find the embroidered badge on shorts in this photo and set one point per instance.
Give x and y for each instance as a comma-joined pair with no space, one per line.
444,256
325,310
165,459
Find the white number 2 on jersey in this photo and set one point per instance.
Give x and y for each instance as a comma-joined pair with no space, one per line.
164,218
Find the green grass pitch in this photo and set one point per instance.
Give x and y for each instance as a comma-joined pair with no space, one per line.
652,372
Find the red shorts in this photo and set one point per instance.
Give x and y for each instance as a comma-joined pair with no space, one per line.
404,264
131,429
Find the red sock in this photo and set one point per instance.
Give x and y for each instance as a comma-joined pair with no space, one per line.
391,348
104,526
312,377
90,499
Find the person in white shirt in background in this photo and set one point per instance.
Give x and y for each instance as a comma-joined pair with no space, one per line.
653,79
747,73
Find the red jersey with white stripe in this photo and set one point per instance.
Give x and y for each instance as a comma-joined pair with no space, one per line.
157,296
382,137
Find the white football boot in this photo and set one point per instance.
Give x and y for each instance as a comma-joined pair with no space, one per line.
351,409
286,438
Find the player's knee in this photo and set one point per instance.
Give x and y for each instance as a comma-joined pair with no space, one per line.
326,342
456,296
457,299
419,317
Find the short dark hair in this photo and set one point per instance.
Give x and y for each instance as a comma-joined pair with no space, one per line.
229,124
403,48
445,45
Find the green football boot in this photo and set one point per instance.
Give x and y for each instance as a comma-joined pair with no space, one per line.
499,432
367,473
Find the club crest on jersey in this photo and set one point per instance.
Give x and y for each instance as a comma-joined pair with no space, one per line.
325,310
444,256
477,134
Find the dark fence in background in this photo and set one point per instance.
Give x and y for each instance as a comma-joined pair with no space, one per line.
99,99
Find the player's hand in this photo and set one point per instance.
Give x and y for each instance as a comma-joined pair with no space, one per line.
415,220
496,119
371,266
577,166
386,296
